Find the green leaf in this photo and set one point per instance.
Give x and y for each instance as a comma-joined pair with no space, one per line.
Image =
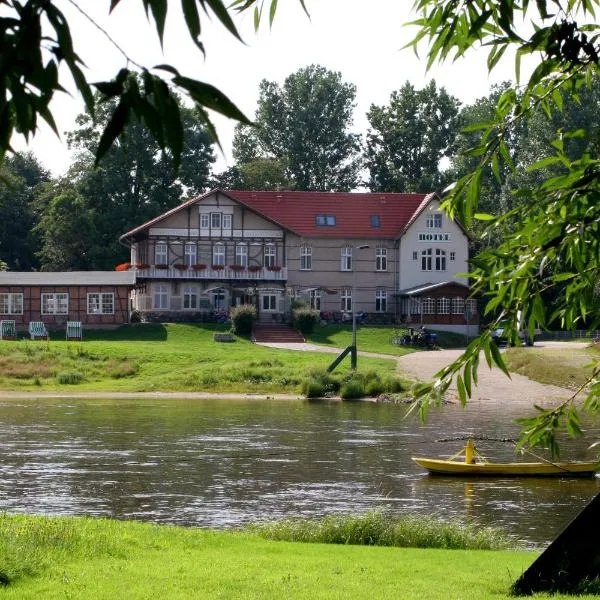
272,12
223,15
192,20
113,129
159,12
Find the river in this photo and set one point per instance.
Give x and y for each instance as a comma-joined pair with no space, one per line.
223,463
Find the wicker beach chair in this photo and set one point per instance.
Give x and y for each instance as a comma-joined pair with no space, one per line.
8,330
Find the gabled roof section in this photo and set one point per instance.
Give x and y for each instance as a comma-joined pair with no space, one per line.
429,287
424,204
323,214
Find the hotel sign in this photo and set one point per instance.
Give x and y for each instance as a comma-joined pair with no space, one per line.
435,237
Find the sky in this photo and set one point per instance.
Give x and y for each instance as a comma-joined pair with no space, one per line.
362,40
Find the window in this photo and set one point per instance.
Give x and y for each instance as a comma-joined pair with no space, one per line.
218,300
325,220
440,260
160,254
241,255
415,255
443,306
452,255
458,305
227,221
375,221
11,304
305,258
429,306
381,259
471,306
190,254
204,221
415,306
215,220
190,297
218,255
426,259
269,256
346,259
101,304
55,304
315,299
380,300
269,302
346,300
160,297
434,220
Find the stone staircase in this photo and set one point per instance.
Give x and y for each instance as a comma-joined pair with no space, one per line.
275,333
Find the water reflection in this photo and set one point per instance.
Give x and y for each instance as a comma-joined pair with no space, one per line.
224,463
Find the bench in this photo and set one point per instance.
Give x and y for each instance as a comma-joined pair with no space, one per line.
223,337
74,330
37,330
8,330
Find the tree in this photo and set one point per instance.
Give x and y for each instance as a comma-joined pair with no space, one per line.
257,174
305,123
556,236
38,53
20,177
409,137
135,182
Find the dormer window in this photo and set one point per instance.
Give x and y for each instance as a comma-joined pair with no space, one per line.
375,221
325,220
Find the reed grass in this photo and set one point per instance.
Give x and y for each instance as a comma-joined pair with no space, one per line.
379,529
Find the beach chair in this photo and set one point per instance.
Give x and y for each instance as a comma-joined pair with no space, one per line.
37,330
8,330
74,330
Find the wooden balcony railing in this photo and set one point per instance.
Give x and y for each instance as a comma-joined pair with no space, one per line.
227,273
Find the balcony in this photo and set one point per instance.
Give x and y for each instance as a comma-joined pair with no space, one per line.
227,273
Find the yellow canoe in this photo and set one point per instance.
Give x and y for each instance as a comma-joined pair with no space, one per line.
521,469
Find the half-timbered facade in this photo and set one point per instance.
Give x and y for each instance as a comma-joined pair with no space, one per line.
340,252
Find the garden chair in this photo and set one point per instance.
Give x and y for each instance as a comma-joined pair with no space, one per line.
8,330
74,330
37,330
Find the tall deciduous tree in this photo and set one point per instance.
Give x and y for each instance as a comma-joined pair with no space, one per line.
409,138
306,123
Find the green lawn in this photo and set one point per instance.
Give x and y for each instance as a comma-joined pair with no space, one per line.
374,339
103,560
161,357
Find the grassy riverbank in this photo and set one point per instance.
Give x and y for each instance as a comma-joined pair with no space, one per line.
564,367
162,357
101,559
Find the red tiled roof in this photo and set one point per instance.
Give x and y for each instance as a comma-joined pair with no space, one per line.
297,211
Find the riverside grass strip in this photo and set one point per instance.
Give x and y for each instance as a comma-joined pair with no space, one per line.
100,559
162,357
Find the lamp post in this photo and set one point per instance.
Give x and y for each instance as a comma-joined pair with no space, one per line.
354,353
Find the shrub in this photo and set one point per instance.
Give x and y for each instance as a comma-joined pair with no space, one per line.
70,377
352,389
312,389
242,318
298,303
374,387
393,385
305,319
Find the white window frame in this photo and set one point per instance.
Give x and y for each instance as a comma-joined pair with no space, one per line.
216,219
218,300
440,259
227,221
55,303
269,255
415,305
471,306
452,255
190,254
443,306
381,259
346,258
241,255
101,303
160,297
315,299
415,255
268,302
11,303
218,255
346,300
428,305
434,220
306,258
426,259
380,300
458,305
190,292
204,220
161,253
